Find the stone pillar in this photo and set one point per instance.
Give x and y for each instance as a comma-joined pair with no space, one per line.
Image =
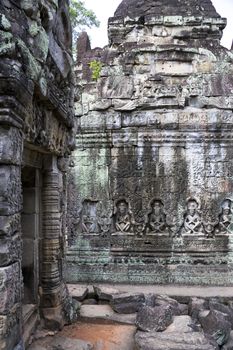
11,142
53,288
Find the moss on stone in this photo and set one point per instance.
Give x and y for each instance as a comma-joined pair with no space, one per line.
33,67
7,45
4,23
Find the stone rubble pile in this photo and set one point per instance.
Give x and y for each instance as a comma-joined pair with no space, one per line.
163,323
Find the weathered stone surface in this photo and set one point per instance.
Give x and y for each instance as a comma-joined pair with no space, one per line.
225,309
9,287
10,192
216,324
127,303
96,311
171,341
196,305
229,343
104,313
83,45
90,302
180,324
10,249
183,309
77,292
36,347
156,318
117,87
10,329
129,319
105,293
138,8
36,118
11,145
149,189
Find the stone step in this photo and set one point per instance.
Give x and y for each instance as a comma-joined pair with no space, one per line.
105,314
30,321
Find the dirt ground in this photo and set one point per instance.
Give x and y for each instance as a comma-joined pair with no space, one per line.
102,336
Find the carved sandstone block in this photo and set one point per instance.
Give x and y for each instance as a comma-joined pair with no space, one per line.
10,145
10,287
10,190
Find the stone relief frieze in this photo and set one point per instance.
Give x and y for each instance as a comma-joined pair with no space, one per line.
105,219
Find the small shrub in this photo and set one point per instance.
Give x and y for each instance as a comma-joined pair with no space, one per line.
96,67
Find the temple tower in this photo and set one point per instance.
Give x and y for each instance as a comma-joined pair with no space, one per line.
151,186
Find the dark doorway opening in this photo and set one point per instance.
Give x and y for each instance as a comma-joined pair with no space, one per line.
31,228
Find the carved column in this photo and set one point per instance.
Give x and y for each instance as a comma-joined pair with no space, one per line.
53,288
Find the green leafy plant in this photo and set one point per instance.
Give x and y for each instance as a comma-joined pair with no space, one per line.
96,67
81,17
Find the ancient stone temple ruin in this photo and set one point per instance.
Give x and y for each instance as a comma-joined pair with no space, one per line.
36,120
151,190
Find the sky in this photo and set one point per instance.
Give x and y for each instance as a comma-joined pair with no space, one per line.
106,8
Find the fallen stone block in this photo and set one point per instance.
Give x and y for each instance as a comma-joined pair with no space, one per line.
96,311
220,306
77,292
180,324
105,313
229,343
196,305
105,293
216,324
156,318
171,341
127,303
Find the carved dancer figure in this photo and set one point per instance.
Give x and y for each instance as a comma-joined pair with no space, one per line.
156,218
192,219
104,222
209,226
225,218
123,219
89,224
104,218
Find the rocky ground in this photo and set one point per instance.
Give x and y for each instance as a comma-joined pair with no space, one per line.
116,319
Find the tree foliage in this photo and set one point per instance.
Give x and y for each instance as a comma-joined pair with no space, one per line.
81,17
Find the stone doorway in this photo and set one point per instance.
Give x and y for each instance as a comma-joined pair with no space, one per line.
31,239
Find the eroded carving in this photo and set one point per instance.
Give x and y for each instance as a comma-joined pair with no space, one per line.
88,217
104,218
123,218
156,220
192,219
210,226
225,217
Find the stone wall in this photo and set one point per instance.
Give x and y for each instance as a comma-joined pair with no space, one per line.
36,121
151,185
